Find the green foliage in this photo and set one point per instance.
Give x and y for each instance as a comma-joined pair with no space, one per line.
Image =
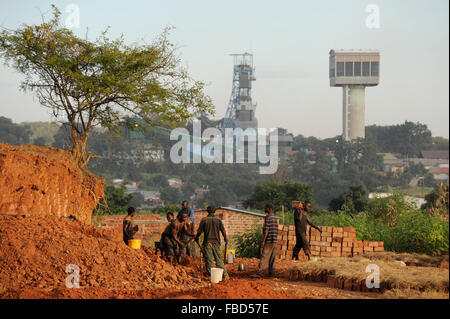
401,227
114,202
355,200
438,143
278,194
171,195
408,138
42,132
248,243
163,210
12,133
101,82
417,231
138,200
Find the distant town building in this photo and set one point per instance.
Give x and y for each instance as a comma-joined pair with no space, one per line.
439,173
131,187
175,182
392,164
435,154
200,192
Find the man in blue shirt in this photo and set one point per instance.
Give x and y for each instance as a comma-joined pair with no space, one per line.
191,215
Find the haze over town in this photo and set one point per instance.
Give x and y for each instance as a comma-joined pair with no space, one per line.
290,41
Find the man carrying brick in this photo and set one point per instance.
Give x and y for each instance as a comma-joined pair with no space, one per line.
301,221
268,243
211,226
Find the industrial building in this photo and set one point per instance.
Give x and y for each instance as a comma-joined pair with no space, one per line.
241,109
353,70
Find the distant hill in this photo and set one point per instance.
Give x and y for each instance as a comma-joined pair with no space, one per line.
42,132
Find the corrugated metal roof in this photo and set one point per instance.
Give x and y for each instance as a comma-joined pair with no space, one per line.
237,210
435,154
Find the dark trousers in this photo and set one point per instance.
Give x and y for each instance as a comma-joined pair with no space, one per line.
267,261
170,247
126,239
301,242
212,253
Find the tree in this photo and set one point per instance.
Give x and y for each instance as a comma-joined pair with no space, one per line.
278,194
102,83
137,200
43,130
114,202
408,138
217,196
171,195
41,141
12,133
355,200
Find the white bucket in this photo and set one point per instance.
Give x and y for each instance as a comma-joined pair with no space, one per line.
216,275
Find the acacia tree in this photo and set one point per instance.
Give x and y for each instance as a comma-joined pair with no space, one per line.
103,82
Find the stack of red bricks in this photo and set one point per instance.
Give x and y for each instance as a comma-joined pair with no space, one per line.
332,242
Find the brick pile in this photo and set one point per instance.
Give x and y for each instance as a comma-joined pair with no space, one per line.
333,242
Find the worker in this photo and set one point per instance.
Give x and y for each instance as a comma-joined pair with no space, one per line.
269,240
191,215
301,220
129,228
211,226
186,234
172,244
160,245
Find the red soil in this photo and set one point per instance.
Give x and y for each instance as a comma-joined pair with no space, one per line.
44,181
35,253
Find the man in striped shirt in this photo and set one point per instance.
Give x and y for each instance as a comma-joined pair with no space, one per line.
268,243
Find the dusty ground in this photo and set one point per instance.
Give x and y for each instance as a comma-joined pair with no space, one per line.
240,286
34,253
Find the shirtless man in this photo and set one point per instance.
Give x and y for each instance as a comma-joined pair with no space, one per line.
301,220
186,234
171,242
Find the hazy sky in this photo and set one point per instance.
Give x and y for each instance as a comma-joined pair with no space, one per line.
290,41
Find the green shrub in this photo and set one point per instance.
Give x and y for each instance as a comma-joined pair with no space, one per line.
401,227
248,243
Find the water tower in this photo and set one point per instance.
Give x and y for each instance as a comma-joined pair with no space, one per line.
353,70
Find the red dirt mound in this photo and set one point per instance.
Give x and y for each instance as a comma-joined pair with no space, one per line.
35,251
231,289
36,180
234,289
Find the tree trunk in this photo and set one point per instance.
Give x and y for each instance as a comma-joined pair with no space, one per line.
79,148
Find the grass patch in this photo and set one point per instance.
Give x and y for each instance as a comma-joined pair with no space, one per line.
407,258
399,279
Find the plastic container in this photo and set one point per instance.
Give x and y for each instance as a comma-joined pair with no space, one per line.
134,243
230,258
216,275
227,252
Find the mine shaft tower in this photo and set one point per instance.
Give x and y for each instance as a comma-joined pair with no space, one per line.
241,110
353,70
